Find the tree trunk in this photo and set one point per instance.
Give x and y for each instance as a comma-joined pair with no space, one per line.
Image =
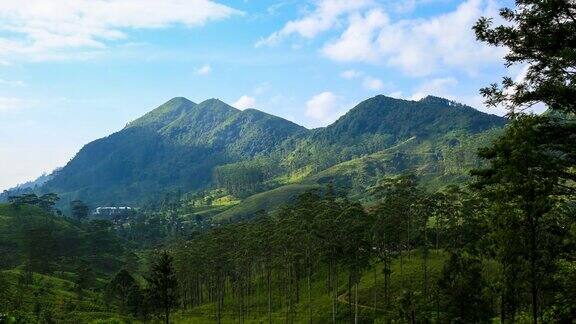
269,279
425,261
356,303
309,296
534,274
349,295
374,294
334,289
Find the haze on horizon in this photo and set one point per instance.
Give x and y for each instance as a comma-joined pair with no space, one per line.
74,72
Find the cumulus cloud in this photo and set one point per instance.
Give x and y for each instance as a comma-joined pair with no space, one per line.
368,82
325,16
351,74
357,42
419,46
372,83
261,88
439,87
245,102
40,29
396,94
204,70
324,107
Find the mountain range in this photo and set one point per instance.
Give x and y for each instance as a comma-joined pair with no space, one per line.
184,147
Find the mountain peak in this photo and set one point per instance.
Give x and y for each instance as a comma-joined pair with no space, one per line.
178,101
213,101
404,118
164,114
216,105
439,100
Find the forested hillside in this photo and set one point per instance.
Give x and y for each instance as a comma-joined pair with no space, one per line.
183,147
174,147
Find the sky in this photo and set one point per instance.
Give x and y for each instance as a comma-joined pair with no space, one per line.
72,71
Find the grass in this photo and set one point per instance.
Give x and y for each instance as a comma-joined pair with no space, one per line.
294,177
264,201
49,297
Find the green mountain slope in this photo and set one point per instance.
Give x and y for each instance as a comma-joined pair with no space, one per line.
437,162
381,122
183,147
174,147
165,114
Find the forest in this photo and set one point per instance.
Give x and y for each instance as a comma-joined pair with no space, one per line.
495,246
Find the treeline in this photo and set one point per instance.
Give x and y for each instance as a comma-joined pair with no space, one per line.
286,263
40,240
244,178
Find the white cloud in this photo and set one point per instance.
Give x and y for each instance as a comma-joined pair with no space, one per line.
245,102
368,82
262,87
351,74
325,16
417,46
324,107
396,94
357,42
410,5
39,29
437,87
204,70
372,83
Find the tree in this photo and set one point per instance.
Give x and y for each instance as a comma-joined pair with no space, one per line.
79,210
462,284
528,174
5,293
533,161
126,291
357,249
398,202
48,201
162,285
29,199
541,36
84,278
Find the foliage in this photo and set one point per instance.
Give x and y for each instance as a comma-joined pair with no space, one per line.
531,170
539,35
463,286
162,286
187,147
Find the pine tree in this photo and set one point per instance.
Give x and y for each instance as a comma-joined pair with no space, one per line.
535,158
162,285
79,210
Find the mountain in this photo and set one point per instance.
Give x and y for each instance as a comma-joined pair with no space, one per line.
165,114
430,116
26,187
435,138
174,147
382,122
183,147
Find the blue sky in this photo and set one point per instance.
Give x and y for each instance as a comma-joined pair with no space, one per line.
75,71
